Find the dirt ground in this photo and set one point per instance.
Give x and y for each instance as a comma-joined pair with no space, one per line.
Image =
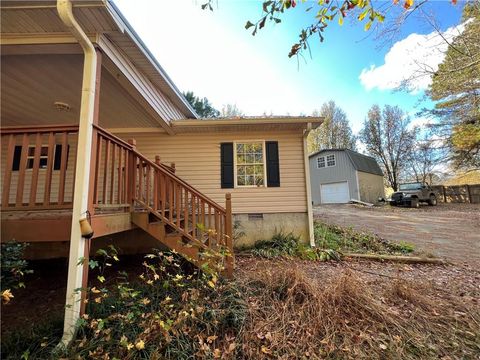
459,281
450,231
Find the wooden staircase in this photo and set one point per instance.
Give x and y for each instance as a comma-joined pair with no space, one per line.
178,215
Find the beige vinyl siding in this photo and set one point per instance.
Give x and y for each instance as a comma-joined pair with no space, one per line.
197,160
371,187
42,173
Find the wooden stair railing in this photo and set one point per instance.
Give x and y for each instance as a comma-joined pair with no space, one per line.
161,203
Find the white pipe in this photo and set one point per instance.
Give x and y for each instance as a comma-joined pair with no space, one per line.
82,170
308,185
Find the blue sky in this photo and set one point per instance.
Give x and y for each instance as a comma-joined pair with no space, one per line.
213,55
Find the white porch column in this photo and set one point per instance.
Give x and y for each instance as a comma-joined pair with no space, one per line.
82,170
308,186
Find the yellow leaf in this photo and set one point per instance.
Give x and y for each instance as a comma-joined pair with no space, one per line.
408,4
140,345
266,350
95,290
7,296
211,339
217,353
130,346
340,20
211,284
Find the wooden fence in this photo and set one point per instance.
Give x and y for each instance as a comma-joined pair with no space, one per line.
458,193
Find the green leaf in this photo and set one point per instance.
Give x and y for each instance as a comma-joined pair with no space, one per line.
277,20
368,25
102,252
363,14
249,25
93,264
266,4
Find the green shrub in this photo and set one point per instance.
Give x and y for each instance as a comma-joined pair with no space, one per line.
167,312
337,238
13,265
282,244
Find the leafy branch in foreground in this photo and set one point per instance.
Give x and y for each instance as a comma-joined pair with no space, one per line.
327,11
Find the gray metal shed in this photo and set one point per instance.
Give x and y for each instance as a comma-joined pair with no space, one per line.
340,175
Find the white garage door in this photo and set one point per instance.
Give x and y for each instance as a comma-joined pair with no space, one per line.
335,193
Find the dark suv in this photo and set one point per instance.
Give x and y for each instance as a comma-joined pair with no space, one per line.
412,194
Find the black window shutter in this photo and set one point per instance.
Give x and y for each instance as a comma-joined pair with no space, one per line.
273,165
226,167
17,154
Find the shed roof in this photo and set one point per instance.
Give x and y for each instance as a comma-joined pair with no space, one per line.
359,161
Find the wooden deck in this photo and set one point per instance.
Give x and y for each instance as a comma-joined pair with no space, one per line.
38,175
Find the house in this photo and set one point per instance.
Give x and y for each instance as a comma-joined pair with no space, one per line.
96,135
339,175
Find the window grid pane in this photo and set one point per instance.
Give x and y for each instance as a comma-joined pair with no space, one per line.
321,162
250,167
330,160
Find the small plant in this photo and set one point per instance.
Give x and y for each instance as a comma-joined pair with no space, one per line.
13,268
337,238
282,244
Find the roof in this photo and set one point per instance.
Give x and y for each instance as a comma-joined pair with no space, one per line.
245,123
95,17
360,162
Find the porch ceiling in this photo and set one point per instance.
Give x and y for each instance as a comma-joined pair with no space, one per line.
31,84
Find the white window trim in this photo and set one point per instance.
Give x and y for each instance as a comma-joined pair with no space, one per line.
324,157
33,157
235,163
334,160
324,161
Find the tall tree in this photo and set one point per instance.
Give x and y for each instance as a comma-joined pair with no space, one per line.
335,131
231,110
425,157
455,88
202,107
387,137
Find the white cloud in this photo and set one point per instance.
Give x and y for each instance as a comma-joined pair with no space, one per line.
420,122
407,60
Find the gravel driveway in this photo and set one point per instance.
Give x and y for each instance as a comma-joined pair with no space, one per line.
450,231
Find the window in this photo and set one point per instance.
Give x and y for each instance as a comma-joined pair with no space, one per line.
31,157
326,161
321,162
250,164
43,163
331,160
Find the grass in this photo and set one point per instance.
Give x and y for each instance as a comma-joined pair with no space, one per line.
294,317
348,240
290,245
271,310
36,342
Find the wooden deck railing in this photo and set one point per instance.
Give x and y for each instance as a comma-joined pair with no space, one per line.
34,171
39,172
126,180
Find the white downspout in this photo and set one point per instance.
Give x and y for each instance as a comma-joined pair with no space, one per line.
82,170
308,186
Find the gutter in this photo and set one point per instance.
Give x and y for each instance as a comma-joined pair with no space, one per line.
308,185
78,244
